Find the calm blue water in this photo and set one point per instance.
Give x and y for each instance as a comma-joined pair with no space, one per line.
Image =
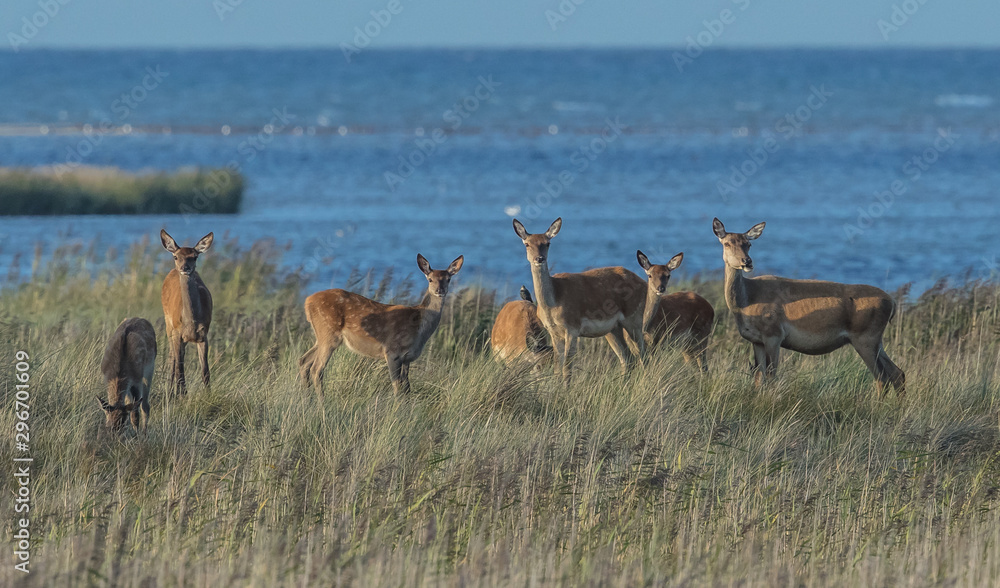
648,154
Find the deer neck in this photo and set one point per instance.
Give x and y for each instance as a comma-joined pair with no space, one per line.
430,315
736,290
652,303
190,300
544,288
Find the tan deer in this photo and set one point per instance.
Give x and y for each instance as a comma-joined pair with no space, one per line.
604,302
518,334
683,317
128,363
808,316
187,308
394,333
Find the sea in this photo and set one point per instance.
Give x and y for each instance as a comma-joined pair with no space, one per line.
868,166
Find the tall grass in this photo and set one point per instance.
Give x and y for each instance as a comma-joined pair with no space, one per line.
490,476
109,190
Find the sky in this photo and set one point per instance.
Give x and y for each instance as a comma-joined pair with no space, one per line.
498,23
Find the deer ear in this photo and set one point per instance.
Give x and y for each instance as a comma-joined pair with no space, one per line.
520,230
168,242
719,228
423,264
675,261
104,404
643,260
456,265
755,231
554,228
205,243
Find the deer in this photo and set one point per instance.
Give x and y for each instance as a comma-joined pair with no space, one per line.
127,366
187,308
808,316
684,317
518,334
602,302
394,333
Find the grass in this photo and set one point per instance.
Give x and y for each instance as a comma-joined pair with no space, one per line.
490,476
109,190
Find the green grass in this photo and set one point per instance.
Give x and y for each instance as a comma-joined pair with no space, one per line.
489,476
108,190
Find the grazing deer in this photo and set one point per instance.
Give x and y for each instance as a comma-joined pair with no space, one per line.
128,363
380,331
604,302
684,317
518,334
808,316
187,308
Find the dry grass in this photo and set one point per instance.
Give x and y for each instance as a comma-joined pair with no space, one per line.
487,476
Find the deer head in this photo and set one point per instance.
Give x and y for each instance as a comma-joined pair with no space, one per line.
537,246
438,280
658,275
115,415
736,246
185,257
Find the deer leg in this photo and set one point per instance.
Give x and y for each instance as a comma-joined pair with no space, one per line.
895,376
179,365
404,376
305,365
395,372
319,360
144,418
759,363
616,339
559,344
772,354
569,352
172,378
869,351
203,360
635,338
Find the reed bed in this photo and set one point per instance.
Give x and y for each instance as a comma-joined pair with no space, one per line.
110,190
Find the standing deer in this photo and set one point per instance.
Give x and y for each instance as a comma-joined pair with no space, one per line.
518,334
187,308
380,331
684,317
808,316
128,363
604,302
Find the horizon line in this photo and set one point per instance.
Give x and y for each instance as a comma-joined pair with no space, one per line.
554,48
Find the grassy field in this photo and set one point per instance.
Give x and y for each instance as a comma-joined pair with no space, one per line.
109,190
487,476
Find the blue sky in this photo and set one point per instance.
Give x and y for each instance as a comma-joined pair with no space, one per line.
504,23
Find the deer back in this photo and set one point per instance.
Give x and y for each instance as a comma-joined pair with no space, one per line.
600,293
128,356
680,312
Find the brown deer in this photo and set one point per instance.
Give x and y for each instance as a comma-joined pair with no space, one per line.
518,334
808,316
684,317
187,308
394,333
128,363
604,302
